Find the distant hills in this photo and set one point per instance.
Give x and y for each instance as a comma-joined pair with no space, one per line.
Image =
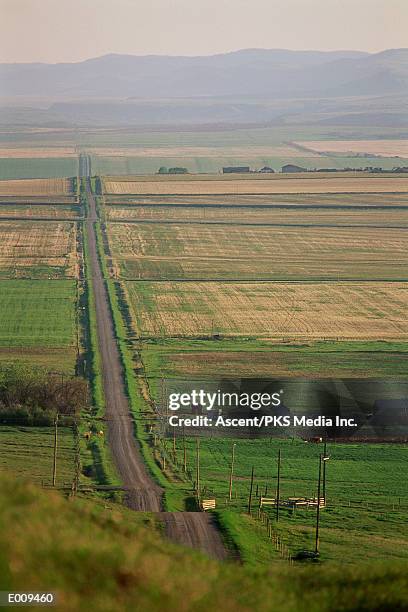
251,85
251,72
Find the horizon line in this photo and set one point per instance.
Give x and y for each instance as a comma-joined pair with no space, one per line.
175,56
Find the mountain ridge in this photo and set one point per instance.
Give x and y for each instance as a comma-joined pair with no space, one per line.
270,73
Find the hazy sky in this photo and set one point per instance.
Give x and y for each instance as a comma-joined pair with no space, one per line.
72,30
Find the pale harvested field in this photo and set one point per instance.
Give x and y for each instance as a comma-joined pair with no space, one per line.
307,216
190,151
37,211
37,152
344,311
40,249
204,251
386,148
335,200
35,187
373,184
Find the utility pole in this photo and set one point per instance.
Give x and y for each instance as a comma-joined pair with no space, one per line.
174,446
318,506
184,452
198,467
232,470
164,449
54,468
324,471
278,486
250,491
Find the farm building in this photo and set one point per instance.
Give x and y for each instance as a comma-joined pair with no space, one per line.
267,170
293,168
235,169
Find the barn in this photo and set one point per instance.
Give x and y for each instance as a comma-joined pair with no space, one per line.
293,168
235,169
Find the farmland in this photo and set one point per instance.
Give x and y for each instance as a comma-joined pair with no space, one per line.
37,313
275,184
367,502
282,200
253,215
36,187
34,153
165,251
28,452
271,277
191,359
135,283
38,249
40,261
38,323
271,310
23,167
39,211
277,276
383,147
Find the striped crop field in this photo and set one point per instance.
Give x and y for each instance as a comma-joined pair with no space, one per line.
261,216
36,187
39,211
277,184
37,249
275,311
339,201
220,251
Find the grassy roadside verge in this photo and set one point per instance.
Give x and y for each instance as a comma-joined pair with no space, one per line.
244,534
131,387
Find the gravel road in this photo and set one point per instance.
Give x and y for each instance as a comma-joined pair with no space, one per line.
195,529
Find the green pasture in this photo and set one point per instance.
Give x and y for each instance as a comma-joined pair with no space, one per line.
31,167
37,313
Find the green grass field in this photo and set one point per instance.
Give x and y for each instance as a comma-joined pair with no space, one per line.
47,167
366,476
203,359
37,313
27,452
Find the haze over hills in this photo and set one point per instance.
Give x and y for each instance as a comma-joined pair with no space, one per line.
254,72
246,85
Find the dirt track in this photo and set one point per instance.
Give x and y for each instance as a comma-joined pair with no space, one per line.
190,528
195,529
144,494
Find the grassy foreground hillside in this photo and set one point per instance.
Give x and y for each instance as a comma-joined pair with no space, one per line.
101,556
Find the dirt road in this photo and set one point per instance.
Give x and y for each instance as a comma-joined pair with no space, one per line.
190,528
195,529
143,493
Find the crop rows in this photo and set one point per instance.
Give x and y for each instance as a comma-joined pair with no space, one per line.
276,311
